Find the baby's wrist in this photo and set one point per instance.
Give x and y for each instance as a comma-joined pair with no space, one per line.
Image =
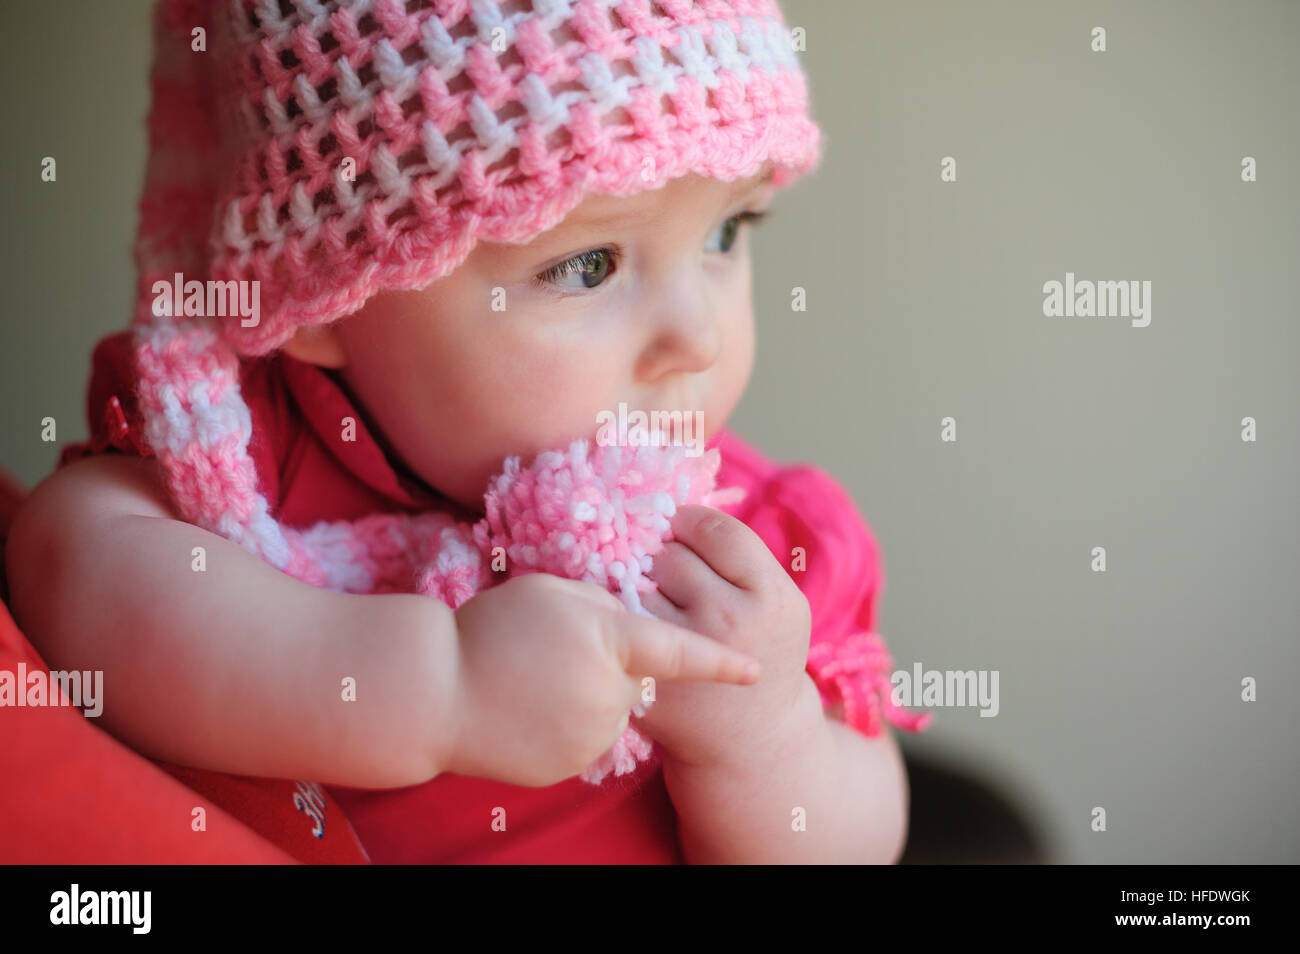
411,697
770,737
460,706
444,717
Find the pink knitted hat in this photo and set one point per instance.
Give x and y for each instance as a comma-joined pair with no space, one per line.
330,150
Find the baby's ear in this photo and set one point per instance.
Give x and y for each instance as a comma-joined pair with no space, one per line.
319,345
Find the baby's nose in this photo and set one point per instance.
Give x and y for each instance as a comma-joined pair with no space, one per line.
686,337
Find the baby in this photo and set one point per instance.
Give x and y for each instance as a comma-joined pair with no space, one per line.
476,227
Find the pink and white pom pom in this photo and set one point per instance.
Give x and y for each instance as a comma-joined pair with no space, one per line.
595,514
599,514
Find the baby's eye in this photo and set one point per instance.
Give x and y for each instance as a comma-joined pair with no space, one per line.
582,271
725,237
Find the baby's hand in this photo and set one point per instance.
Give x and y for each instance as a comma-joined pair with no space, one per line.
549,669
719,578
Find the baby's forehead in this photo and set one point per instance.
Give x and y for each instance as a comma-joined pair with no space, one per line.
678,207
702,195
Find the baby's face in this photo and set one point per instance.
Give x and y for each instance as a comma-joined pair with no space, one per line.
641,300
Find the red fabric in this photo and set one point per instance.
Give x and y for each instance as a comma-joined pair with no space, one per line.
309,475
72,794
299,817
75,795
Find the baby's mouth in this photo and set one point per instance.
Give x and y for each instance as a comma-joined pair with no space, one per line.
637,427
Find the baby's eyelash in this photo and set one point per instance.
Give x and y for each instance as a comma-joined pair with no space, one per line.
577,263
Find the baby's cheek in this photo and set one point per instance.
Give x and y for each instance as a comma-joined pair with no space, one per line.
733,375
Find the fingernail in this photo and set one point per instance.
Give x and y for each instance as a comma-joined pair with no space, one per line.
752,670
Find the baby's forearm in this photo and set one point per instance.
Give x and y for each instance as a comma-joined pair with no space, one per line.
822,794
238,667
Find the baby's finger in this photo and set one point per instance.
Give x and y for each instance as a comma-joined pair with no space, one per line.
734,551
652,647
591,593
683,576
661,607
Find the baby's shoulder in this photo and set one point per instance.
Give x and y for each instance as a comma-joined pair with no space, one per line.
801,497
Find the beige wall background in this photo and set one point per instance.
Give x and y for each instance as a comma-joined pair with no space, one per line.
1119,690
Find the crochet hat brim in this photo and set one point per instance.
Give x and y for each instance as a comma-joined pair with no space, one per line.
414,259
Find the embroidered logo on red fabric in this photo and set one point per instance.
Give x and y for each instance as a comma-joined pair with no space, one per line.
310,799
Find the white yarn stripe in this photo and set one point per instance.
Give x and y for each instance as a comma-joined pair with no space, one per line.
208,424
455,553
331,547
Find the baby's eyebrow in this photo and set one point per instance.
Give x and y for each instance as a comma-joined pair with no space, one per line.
609,219
617,218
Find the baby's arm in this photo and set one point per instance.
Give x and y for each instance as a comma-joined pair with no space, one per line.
240,668
236,668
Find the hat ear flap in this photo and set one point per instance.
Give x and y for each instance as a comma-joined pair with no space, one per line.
198,424
188,377
182,171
